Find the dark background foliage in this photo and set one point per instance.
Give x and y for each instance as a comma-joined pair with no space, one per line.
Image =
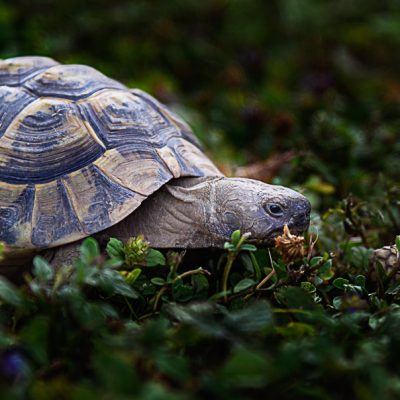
254,78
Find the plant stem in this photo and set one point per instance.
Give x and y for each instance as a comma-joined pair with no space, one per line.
197,271
229,262
256,267
157,299
266,279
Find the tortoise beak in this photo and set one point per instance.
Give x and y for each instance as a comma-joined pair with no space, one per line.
300,220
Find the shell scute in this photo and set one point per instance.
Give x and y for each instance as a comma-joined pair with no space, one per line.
70,82
16,207
48,139
54,220
15,71
12,102
97,200
120,118
139,170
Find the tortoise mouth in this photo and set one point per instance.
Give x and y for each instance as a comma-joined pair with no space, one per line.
270,240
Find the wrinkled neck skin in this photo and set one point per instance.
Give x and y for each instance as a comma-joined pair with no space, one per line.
179,215
203,212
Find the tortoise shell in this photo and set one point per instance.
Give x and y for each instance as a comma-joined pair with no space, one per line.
80,151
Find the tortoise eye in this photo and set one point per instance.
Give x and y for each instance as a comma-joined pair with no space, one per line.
274,209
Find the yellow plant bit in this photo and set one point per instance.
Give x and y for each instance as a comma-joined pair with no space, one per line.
2,250
290,246
136,250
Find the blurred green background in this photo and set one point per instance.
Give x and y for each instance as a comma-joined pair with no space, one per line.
254,78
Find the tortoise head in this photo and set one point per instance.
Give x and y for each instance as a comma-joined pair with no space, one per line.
255,207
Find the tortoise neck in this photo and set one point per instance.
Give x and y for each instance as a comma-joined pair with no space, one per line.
177,216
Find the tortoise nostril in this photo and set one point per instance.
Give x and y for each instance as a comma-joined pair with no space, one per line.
302,219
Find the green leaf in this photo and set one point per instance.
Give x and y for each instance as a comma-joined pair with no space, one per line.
325,271
42,269
280,269
393,289
245,368
182,293
112,283
308,286
254,317
360,280
115,249
397,242
235,237
89,250
246,261
229,246
133,275
200,286
315,261
158,281
340,283
113,263
248,247
243,285
174,366
2,250
337,302
154,258
382,275
9,293
35,336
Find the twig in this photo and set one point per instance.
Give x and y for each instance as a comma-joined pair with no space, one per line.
197,271
162,290
266,279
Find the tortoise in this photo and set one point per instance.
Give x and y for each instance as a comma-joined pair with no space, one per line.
81,153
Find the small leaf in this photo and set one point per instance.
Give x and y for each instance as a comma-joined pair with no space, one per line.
393,289
360,280
327,265
308,286
2,250
382,275
397,242
337,302
200,286
248,247
340,283
115,249
243,285
280,269
9,293
325,271
113,283
89,250
158,281
315,261
133,275
245,368
229,246
113,263
154,258
246,261
235,237
42,269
